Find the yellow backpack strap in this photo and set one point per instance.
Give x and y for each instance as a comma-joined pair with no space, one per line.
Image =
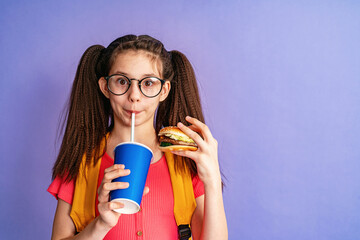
83,205
184,199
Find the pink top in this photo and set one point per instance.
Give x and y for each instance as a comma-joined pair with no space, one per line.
156,218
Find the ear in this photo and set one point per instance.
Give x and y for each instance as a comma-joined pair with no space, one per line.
165,91
103,87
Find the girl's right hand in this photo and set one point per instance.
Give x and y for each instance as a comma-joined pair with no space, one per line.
108,217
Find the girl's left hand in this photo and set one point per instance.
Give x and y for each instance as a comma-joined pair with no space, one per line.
206,157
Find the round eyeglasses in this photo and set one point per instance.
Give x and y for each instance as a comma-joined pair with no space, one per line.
119,84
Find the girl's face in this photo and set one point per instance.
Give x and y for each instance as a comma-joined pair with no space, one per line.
137,65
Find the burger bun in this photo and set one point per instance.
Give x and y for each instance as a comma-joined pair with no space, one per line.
178,148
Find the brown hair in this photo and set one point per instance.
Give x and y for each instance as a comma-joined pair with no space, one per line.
89,115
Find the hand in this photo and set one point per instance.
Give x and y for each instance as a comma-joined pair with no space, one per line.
206,157
108,217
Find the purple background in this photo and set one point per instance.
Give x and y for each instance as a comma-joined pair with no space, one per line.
280,88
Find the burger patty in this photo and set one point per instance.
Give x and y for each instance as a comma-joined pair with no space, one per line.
176,142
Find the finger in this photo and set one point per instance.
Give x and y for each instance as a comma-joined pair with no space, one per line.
188,154
194,128
194,135
115,173
146,191
107,206
115,166
107,176
205,131
103,195
105,188
115,185
106,185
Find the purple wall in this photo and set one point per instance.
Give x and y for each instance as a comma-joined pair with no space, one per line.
281,91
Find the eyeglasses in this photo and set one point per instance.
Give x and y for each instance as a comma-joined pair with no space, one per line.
119,84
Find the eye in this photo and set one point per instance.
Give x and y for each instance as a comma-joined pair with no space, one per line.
122,81
148,82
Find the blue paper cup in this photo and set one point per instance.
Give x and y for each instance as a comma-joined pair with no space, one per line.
137,158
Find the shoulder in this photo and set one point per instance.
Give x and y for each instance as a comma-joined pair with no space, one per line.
62,189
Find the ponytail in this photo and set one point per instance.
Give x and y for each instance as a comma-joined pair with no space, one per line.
183,100
87,118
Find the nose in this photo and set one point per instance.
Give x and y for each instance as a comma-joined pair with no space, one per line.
134,92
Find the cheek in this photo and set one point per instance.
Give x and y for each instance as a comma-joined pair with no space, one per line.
153,104
115,102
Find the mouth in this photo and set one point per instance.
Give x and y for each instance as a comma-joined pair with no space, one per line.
133,111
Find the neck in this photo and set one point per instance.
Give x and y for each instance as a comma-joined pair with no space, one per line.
144,134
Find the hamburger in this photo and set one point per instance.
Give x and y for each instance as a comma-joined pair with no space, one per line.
173,139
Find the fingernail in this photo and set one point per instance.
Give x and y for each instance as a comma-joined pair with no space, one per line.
119,166
180,124
119,205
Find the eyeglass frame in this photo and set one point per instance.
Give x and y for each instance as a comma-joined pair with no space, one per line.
130,80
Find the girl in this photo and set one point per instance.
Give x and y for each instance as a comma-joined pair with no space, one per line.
135,74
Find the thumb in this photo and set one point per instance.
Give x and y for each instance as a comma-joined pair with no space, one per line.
146,190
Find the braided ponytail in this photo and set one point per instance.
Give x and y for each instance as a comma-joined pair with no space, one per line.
183,100
87,117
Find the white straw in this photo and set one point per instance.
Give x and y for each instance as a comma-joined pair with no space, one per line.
132,127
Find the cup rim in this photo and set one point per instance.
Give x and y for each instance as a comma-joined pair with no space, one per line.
134,143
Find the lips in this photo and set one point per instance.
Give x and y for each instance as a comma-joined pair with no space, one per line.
132,111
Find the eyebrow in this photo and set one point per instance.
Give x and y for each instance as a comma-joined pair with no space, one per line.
144,75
